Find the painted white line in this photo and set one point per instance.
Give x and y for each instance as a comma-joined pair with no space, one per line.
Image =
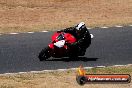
30,32
130,25
22,72
119,65
44,31
8,73
36,71
100,66
88,67
73,68
62,69
118,26
0,34
47,70
89,28
129,64
13,33
104,27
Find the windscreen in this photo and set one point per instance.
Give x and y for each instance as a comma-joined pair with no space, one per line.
60,37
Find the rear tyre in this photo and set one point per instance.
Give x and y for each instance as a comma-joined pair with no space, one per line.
44,54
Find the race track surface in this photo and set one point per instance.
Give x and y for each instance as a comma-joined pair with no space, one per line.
18,53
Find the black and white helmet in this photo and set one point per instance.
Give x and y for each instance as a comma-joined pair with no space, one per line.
80,26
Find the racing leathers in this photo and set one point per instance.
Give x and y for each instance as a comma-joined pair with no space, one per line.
83,39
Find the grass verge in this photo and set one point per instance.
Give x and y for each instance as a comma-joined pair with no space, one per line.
40,15
61,79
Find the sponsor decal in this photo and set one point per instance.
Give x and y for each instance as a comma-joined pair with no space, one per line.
83,78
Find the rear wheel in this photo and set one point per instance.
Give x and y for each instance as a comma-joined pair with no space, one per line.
44,54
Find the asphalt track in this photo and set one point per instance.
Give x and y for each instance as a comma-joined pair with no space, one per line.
18,53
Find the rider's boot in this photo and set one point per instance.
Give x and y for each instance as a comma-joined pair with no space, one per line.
81,52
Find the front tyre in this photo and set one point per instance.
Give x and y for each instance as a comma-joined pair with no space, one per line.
44,54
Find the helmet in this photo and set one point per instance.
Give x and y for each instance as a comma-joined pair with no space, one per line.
80,26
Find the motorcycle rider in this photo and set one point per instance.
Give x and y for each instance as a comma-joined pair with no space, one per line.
81,33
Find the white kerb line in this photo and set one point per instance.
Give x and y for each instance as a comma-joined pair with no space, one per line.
118,26
104,27
44,31
30,32
13,33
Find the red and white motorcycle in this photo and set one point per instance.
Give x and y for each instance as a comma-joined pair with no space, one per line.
58,48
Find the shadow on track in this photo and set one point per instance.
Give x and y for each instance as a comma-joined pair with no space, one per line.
85,59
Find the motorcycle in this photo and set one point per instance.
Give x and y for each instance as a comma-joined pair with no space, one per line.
59,46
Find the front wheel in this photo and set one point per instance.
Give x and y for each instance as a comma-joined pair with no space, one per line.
44,54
